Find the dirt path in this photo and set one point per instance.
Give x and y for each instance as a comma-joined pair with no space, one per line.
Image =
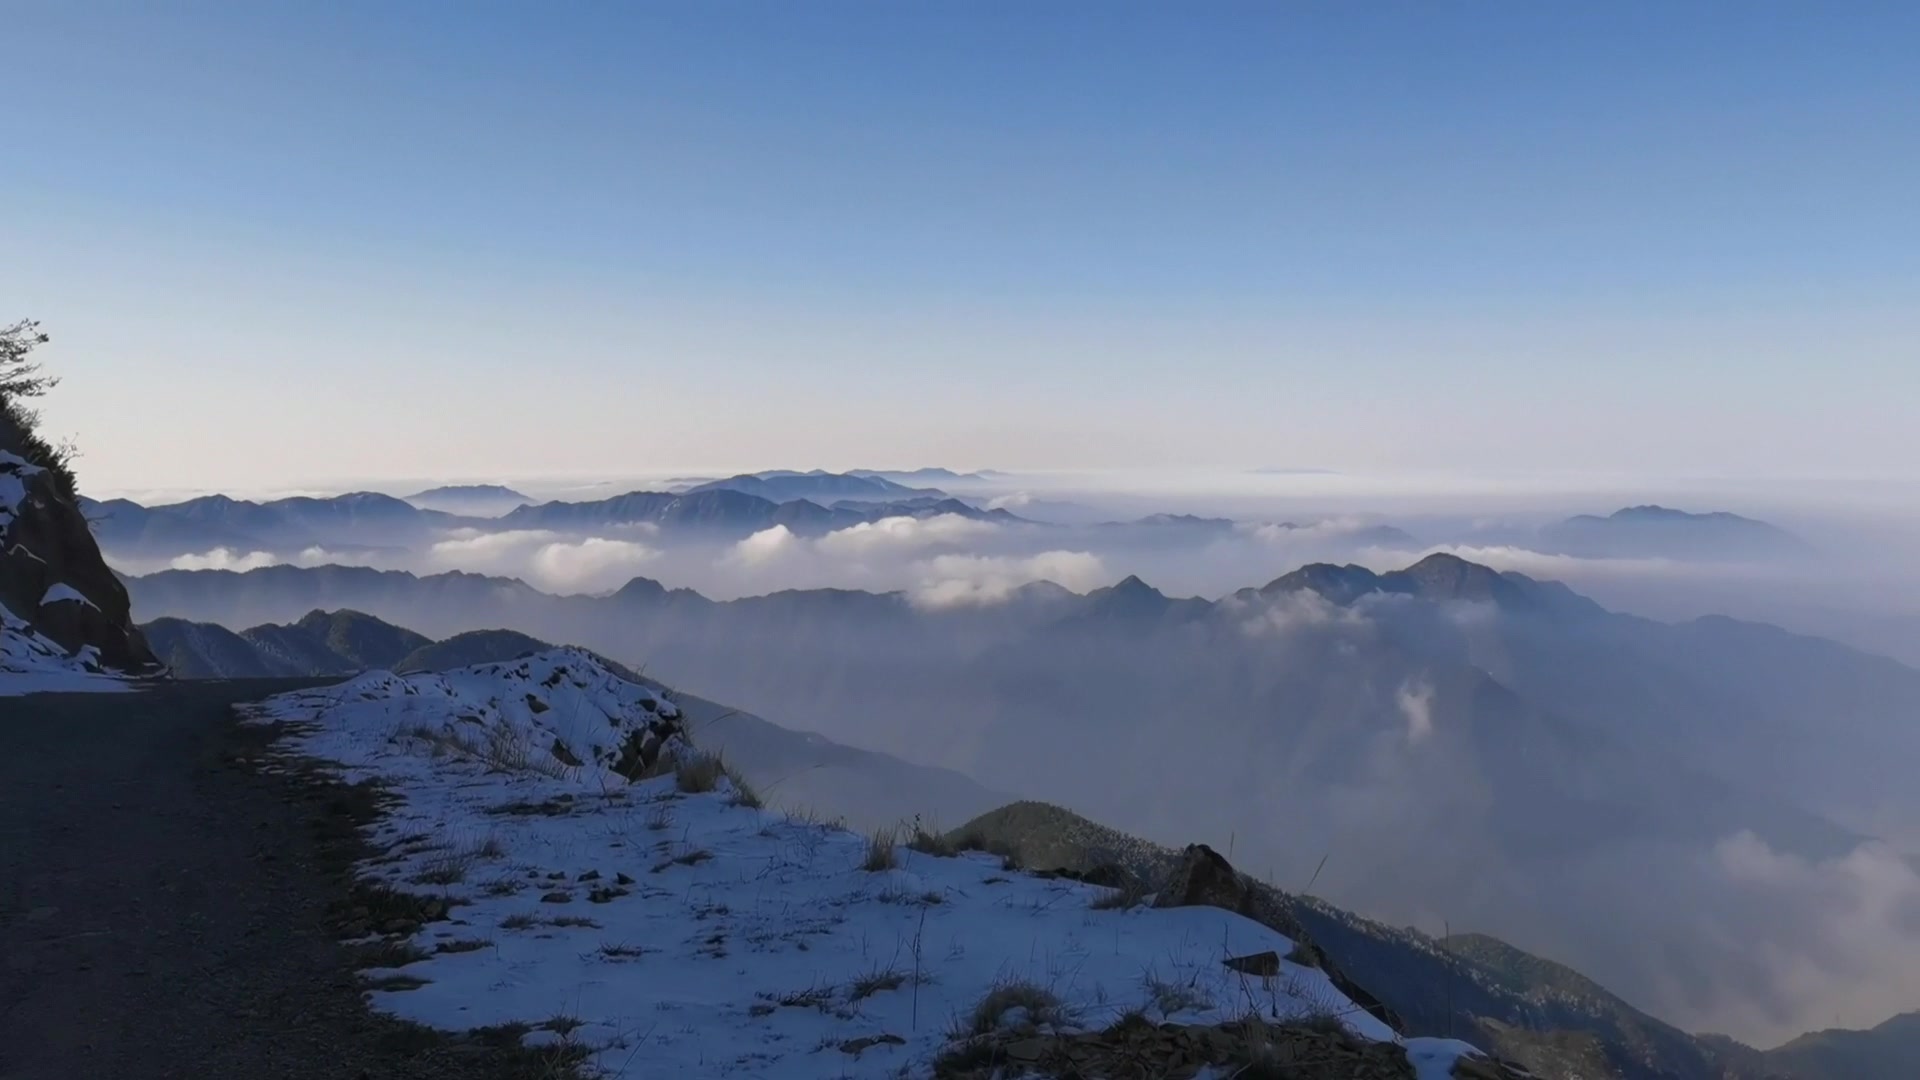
165,907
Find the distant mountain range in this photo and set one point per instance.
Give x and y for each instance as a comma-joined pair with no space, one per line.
368,521
727,511
357,520
1544,768
1660,532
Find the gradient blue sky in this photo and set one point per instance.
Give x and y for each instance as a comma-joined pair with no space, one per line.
288,243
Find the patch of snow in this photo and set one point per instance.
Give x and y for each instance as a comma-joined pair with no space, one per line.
1433,1059
32,663
61,592
691,935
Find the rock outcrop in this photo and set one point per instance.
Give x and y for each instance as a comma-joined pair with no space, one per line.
1204,877
52,576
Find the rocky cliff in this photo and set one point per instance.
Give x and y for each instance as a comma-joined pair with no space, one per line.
52,577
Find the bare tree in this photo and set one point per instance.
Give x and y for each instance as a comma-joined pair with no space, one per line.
20,377
21,380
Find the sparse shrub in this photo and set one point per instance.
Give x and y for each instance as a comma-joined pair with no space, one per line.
743,792
446,868
697,773
1174,997
880,851
930,841
874,982
1042,1009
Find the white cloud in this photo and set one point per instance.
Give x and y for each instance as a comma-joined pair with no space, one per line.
476,544
904,533
764,547
1287,534
1856,948
1541,565
1291,611
548,559
959,580
1416,704
221,558
595,562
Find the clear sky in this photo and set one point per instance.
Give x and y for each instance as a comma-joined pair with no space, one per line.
278,243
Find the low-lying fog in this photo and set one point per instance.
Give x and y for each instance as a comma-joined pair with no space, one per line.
1365,734
1857,579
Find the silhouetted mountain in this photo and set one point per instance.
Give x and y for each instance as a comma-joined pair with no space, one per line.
320,643
929,477
353,521
470,648
470,500
1889,1050
816,486
1659,532
1185,522
1438,577
1133,600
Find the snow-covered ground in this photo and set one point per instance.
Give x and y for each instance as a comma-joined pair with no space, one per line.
689,935
32,664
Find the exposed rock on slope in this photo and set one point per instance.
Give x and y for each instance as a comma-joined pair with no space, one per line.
1533,1012
52,578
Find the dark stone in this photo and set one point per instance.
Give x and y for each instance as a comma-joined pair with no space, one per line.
1264,964
1204,878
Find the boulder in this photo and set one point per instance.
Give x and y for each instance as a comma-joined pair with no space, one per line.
1204,878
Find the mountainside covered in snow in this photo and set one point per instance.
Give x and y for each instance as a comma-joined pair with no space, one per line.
796,768
583,876
64,616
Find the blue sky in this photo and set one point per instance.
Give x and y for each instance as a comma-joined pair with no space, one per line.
289,243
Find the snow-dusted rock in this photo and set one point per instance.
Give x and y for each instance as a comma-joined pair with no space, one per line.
55,586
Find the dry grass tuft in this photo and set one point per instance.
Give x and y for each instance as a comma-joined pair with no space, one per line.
880,851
